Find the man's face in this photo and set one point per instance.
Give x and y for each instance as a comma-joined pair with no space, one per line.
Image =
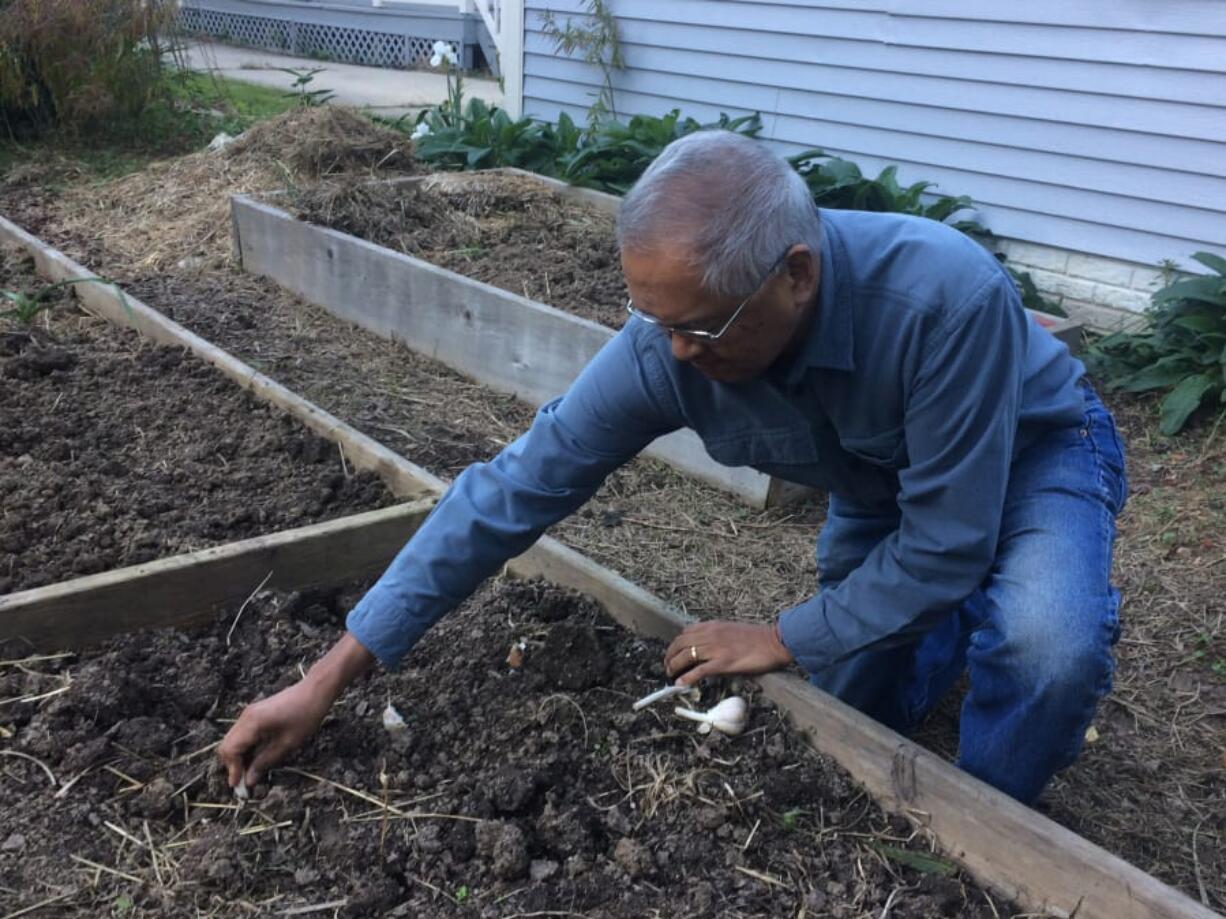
665,286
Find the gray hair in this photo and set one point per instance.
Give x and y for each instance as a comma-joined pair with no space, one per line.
730,200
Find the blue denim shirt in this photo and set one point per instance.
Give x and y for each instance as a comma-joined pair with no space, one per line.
919,380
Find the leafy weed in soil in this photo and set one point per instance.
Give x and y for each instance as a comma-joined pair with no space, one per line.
511,790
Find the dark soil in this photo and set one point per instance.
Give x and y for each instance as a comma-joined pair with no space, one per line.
511,791
114,452
508,231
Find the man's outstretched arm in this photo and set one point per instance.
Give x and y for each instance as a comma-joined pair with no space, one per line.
493,512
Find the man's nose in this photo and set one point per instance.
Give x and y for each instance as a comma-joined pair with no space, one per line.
686,348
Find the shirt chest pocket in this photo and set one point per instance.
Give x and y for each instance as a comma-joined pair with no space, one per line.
792,445
887,449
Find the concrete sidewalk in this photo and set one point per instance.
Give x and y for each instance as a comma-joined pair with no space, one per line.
381,90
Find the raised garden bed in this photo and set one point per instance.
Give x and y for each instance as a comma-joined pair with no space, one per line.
510,278
512,790
114,452
498,337
1007,846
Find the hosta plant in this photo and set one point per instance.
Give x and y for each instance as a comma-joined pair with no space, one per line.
1181,350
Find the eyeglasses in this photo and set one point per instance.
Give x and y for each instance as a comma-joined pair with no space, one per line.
702,334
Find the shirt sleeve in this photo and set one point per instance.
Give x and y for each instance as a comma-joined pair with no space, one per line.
960,423
496,510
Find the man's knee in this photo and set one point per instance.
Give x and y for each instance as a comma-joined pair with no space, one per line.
1067,648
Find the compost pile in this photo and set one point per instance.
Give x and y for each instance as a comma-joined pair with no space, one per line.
506,230
517,786
115,452
175,214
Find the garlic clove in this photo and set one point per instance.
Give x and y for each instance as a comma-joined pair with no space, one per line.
392,719
729,717
241,791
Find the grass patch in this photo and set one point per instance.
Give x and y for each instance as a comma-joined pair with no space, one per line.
238,105
193,107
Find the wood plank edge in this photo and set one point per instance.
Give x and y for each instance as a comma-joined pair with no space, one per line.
59,610
750,486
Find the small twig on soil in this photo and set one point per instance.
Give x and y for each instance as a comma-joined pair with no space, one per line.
752,833
127,778
153,856
37,762
188,757
1200,881
36,658
39,905
438,890
314,908
250,597
583,718
340,448
115,871
383,781
637,521
758,875
889,903
264,828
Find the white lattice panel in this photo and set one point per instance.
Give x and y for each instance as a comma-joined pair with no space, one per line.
339,43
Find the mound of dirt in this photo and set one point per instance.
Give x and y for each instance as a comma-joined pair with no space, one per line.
176,213
326,140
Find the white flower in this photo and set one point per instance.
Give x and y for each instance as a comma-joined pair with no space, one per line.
442,51
420,131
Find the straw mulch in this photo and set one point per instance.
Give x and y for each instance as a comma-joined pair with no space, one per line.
176,213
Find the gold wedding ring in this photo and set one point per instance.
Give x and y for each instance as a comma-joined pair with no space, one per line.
693,653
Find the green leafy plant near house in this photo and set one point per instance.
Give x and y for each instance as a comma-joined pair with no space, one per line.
611,156
839,183
598,42
1182,349
299,90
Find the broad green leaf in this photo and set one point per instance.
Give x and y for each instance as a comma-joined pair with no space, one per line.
1212,262
1201,322
1183,400
1208,289
1166,372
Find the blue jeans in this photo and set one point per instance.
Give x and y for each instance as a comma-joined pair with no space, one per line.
1037,634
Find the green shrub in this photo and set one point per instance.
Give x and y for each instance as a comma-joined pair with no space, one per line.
839,183
1182,349
610,155
79,64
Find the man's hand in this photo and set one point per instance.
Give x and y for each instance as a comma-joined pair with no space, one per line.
269,730
720,647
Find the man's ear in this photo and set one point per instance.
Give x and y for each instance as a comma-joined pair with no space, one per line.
803,271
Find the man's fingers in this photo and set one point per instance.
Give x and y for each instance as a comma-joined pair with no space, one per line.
265,758
234,749
694,674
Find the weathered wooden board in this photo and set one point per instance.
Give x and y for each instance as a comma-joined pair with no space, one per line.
499,339
1010,848
191,588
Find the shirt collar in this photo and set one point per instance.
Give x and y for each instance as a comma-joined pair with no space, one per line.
828,341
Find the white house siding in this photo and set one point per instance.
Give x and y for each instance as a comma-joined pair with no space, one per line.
1095,127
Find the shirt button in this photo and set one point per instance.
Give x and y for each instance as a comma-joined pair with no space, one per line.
1085,432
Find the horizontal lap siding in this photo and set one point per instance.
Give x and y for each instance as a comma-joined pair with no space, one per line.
1096,126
